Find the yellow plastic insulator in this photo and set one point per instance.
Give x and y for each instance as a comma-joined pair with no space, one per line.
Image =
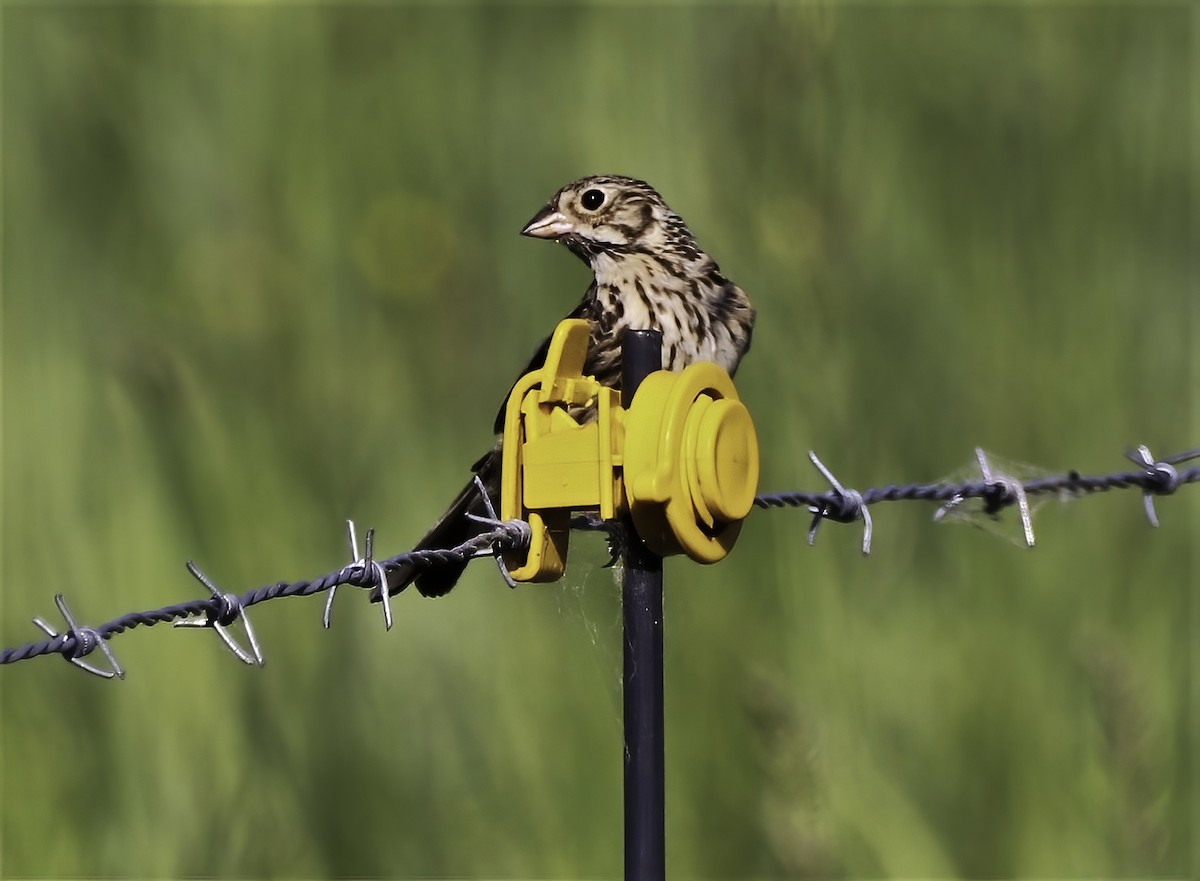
683,460
552,464
691,462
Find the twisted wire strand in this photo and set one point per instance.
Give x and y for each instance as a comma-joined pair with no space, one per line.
1071,484
841,504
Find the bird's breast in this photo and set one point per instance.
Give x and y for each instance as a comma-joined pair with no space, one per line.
676,307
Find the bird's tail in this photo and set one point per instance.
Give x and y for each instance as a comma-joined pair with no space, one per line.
453,528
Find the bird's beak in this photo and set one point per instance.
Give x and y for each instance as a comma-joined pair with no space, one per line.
549,223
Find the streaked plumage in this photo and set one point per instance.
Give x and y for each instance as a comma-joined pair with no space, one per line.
648,273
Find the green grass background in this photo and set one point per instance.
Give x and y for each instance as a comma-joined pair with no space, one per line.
261,273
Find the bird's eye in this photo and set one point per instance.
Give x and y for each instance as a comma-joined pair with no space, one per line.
592,199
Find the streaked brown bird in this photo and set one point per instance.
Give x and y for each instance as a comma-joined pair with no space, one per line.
649,274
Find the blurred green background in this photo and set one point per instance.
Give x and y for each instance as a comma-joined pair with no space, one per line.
261,273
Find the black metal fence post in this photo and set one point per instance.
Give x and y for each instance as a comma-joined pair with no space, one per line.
642,604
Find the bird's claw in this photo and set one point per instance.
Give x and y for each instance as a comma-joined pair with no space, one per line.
618,541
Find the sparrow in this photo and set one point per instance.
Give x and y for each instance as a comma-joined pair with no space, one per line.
648,273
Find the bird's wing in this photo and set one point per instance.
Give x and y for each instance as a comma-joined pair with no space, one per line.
539,356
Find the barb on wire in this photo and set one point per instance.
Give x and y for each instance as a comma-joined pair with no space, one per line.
372,574
79,642
1163,479
842,506
1003,491
997,490
228,611
490,520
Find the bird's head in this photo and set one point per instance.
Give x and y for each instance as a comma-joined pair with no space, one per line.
610,215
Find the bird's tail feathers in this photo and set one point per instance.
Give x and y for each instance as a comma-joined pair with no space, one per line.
451,529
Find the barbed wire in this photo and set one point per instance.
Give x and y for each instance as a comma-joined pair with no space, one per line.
997,489
224,609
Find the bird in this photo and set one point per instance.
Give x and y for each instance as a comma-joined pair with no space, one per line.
648,273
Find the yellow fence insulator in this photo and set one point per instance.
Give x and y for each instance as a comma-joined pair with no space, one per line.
682,460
